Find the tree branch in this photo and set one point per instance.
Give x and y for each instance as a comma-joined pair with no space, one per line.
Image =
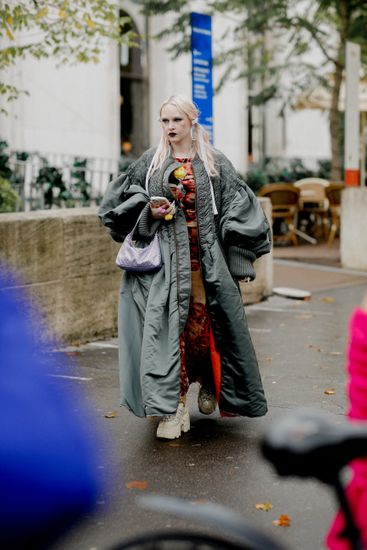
314,32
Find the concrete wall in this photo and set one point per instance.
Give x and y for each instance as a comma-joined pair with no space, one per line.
66,262
353,233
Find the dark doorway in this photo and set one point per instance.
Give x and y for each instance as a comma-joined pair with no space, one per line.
134,122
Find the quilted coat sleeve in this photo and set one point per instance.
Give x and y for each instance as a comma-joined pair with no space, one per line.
124,200
244,229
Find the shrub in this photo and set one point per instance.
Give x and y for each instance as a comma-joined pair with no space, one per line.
276,170
255,179
55,192
80,187
5,171
9,198
324,170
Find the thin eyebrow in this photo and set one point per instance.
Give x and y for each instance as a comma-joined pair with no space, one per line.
176,119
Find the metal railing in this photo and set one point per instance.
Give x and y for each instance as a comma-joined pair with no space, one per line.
45,180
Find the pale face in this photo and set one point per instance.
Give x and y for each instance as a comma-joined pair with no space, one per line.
176,125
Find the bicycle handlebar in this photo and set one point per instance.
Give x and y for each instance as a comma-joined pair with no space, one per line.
307,443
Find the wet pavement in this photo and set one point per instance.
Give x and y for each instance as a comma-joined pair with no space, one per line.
301,351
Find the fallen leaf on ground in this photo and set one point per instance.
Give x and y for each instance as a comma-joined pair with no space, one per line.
329,391
327,299
316,348
141,485
305,316
265,506
174,444
111,414
282,521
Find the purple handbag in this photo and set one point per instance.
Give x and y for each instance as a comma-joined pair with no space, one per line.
139,259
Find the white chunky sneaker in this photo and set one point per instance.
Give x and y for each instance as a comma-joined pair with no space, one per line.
171,426
207,401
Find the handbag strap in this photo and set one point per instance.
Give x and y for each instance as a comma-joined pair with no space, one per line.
131,233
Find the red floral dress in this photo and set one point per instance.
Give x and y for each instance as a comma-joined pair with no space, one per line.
195,339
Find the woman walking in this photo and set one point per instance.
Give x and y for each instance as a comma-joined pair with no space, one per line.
186,322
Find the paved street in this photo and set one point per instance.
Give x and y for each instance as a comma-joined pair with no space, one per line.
300,347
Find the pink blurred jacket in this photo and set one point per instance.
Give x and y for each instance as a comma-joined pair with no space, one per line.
357,393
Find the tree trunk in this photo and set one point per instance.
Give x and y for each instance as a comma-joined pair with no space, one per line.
335,135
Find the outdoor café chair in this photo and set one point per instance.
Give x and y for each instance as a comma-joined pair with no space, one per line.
284,199
314,203
334,195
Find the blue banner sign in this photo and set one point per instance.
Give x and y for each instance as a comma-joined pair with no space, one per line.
202,62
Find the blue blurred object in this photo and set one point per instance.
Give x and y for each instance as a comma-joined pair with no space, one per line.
48,463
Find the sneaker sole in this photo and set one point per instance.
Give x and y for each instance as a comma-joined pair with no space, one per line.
175,433
206,412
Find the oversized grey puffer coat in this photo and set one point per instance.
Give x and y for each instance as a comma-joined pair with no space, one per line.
153,307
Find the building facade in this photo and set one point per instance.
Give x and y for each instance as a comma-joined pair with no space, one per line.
101,110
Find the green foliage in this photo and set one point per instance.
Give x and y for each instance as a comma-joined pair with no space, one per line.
256,179
13,175
150,6
324,169
54,189
272,37
5,171
80,187
287,172
70,32
21,155
263,96
9,198
280,171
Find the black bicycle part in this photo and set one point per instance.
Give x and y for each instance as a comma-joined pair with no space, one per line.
178,541
216,515
307,443
351,531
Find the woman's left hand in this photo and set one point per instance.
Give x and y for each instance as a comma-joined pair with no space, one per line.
161,212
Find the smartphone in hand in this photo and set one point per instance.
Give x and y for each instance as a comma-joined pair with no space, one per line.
156,202
163,204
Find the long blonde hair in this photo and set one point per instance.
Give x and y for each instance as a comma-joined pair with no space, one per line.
200,138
